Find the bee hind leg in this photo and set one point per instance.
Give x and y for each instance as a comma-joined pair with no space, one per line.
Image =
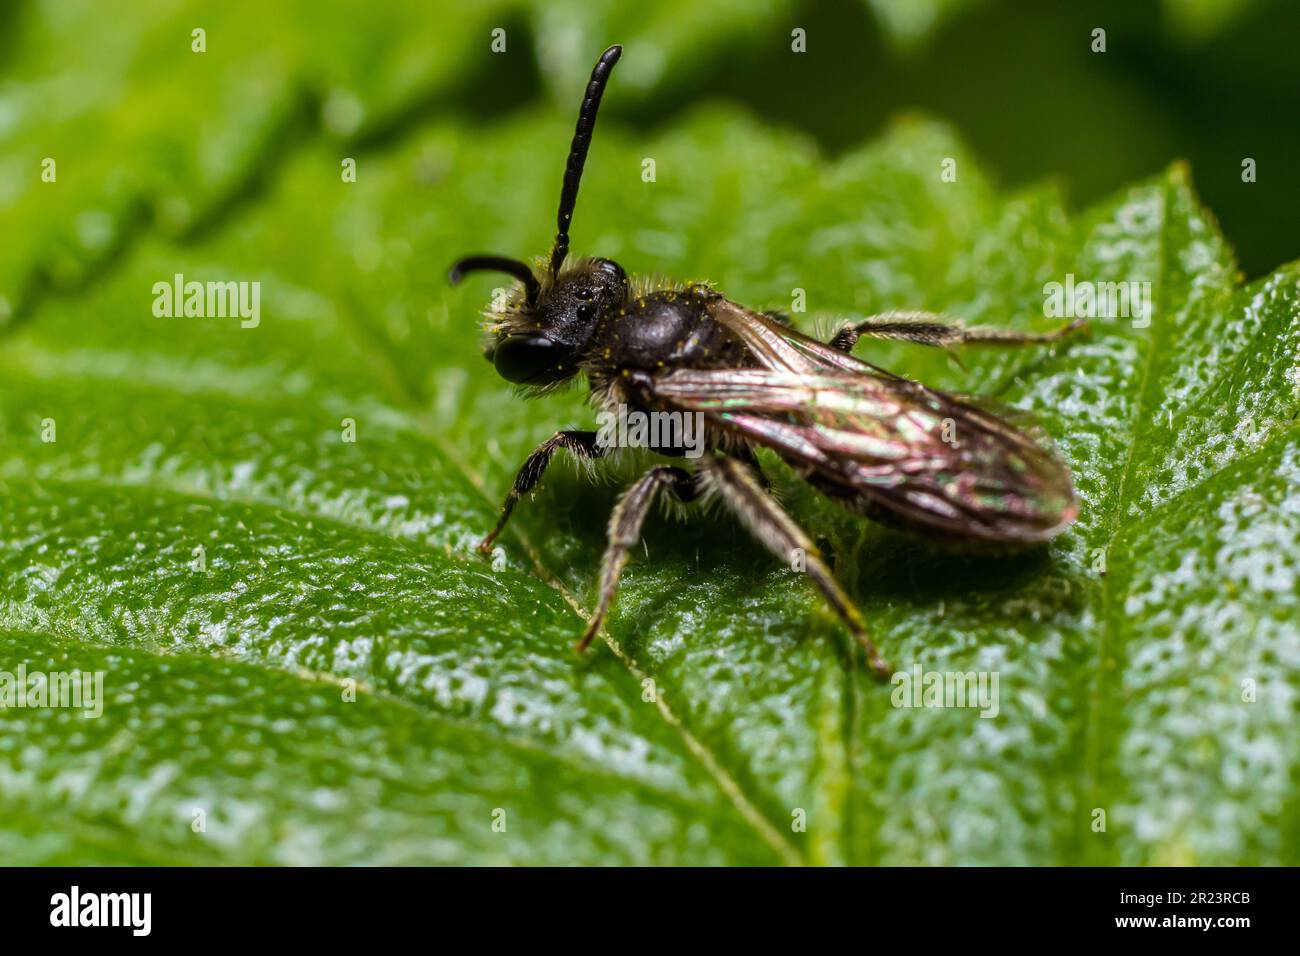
927,328
582,444
625,531
741,489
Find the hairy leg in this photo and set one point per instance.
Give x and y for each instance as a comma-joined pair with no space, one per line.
927,328
778,532
582,444
625,531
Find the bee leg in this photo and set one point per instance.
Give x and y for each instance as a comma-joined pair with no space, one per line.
582,444
769,523
746,454
927,328
625,531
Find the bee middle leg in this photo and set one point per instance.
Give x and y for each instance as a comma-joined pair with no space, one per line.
582,444
927,328
625,531
747,497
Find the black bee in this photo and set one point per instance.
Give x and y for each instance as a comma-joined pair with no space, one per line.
878,444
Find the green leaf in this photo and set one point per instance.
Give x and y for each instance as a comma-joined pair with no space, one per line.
200,531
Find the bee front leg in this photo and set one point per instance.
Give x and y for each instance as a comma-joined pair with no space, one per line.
582,444
927,328
625,531
741,489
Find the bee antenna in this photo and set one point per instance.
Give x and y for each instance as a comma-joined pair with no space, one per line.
513,267
578,151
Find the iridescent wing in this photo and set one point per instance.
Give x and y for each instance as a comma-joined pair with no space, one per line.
893,447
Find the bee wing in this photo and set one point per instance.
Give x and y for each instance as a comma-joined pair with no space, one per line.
925,458
779,347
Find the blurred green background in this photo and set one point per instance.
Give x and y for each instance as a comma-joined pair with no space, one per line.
1211,82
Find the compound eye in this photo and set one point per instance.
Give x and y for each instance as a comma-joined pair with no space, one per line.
521,358
611,268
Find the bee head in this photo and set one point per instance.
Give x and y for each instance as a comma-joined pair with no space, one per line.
541,332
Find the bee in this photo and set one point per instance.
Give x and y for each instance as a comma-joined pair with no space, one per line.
878,444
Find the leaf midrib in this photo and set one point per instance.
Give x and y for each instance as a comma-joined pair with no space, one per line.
1110,636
